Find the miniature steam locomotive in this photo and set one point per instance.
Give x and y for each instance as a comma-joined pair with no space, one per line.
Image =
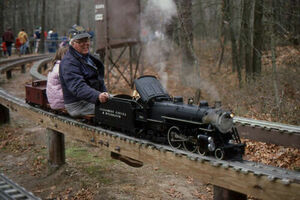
153,114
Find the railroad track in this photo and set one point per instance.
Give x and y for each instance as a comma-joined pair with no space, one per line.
7,66
13,60
255,179
269,132
246,177
258,130
12,191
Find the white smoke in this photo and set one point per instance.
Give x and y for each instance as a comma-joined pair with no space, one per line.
166,8
156,15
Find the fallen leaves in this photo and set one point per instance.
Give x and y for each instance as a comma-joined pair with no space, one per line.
172,192
272,154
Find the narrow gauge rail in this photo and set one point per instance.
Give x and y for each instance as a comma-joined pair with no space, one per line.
268,125
269,132
10,64
12,191
246,177
12,60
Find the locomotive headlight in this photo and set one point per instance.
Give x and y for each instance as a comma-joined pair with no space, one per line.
211,147
231,115
210,140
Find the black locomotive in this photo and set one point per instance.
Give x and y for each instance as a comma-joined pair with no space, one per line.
154,114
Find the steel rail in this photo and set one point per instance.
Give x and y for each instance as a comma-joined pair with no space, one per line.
246,177
268,125
21,61
269,132
9,60
12,191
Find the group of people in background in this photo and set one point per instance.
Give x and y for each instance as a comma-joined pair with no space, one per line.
24,44
21,43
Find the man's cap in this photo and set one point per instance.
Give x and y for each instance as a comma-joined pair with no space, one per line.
78,32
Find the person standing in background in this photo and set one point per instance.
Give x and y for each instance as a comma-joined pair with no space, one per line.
8,38
37,38
23,37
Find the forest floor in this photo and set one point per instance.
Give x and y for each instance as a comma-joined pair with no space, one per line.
90,173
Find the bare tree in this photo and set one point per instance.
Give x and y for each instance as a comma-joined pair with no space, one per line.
43,18
273,50
1,17
245,42
78,13
222,39
258,37
186,38
234,49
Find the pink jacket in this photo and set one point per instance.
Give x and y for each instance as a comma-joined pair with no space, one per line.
54,91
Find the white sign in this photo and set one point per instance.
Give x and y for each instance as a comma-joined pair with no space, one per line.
98,17
99,6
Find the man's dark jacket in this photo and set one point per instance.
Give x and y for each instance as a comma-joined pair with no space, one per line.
79,80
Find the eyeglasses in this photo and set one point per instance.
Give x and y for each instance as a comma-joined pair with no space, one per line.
81,41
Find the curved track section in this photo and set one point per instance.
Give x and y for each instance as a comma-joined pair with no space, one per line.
12,191
11,63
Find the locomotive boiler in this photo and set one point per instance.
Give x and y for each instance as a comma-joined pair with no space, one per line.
153,114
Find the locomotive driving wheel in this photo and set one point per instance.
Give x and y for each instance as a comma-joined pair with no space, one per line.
219,153
175,137
201,151
190,144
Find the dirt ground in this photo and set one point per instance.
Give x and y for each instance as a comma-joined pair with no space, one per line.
89,172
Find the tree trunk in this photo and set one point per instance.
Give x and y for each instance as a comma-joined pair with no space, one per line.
294,21
36,14
78,13
1,17
186,40
222,35
43,21
14,18
273,49
258,37
245,38
234,50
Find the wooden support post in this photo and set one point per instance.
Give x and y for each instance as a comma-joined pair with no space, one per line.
23,69
56,146
8,74
4,114
225,194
